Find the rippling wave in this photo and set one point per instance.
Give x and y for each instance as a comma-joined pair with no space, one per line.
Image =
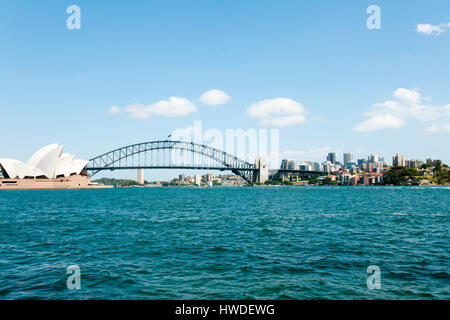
225,243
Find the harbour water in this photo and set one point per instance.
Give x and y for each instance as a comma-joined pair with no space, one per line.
226,243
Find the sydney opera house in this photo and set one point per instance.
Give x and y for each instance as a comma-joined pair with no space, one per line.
48,168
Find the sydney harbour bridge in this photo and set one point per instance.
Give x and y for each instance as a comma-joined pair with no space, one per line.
169,154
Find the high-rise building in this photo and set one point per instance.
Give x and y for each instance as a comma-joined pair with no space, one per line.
347,158
293,165
331,157
326,166
198,179
361,163
284,164
181,177
140,176
398,160
317,166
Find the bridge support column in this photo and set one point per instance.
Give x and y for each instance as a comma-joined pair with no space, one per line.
140,176
262,175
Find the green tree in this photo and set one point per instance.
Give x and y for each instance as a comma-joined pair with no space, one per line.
399,175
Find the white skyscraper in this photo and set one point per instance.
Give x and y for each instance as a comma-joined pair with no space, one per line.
198,179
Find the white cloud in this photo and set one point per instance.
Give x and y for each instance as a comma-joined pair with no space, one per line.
214,97
438,128
408,104
430,29
173,107
379,122
403,94
278,112
114,110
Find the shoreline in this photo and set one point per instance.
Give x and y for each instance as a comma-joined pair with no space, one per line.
202,187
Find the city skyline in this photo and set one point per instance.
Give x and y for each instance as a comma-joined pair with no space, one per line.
231,66
329,163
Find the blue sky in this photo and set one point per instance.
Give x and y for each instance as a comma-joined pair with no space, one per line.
57,85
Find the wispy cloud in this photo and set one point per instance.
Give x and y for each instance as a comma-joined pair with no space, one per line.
114,110
385,121
172,107
438,128
278,112
408,104
430,29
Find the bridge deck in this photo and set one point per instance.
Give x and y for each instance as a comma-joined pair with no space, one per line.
171,167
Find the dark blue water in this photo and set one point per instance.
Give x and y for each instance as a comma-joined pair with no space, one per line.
226,243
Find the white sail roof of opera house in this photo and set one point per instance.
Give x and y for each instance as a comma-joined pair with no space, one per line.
48,162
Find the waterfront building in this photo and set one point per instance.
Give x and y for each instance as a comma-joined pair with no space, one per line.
304,167
413,163
317,166
197,179
293,165
326,165
432,162
410,163
354,180
284,164
48,168
372,179
48,162
398,160
345,179
181,177
310,164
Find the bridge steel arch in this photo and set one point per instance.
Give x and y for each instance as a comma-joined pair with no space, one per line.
123,158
